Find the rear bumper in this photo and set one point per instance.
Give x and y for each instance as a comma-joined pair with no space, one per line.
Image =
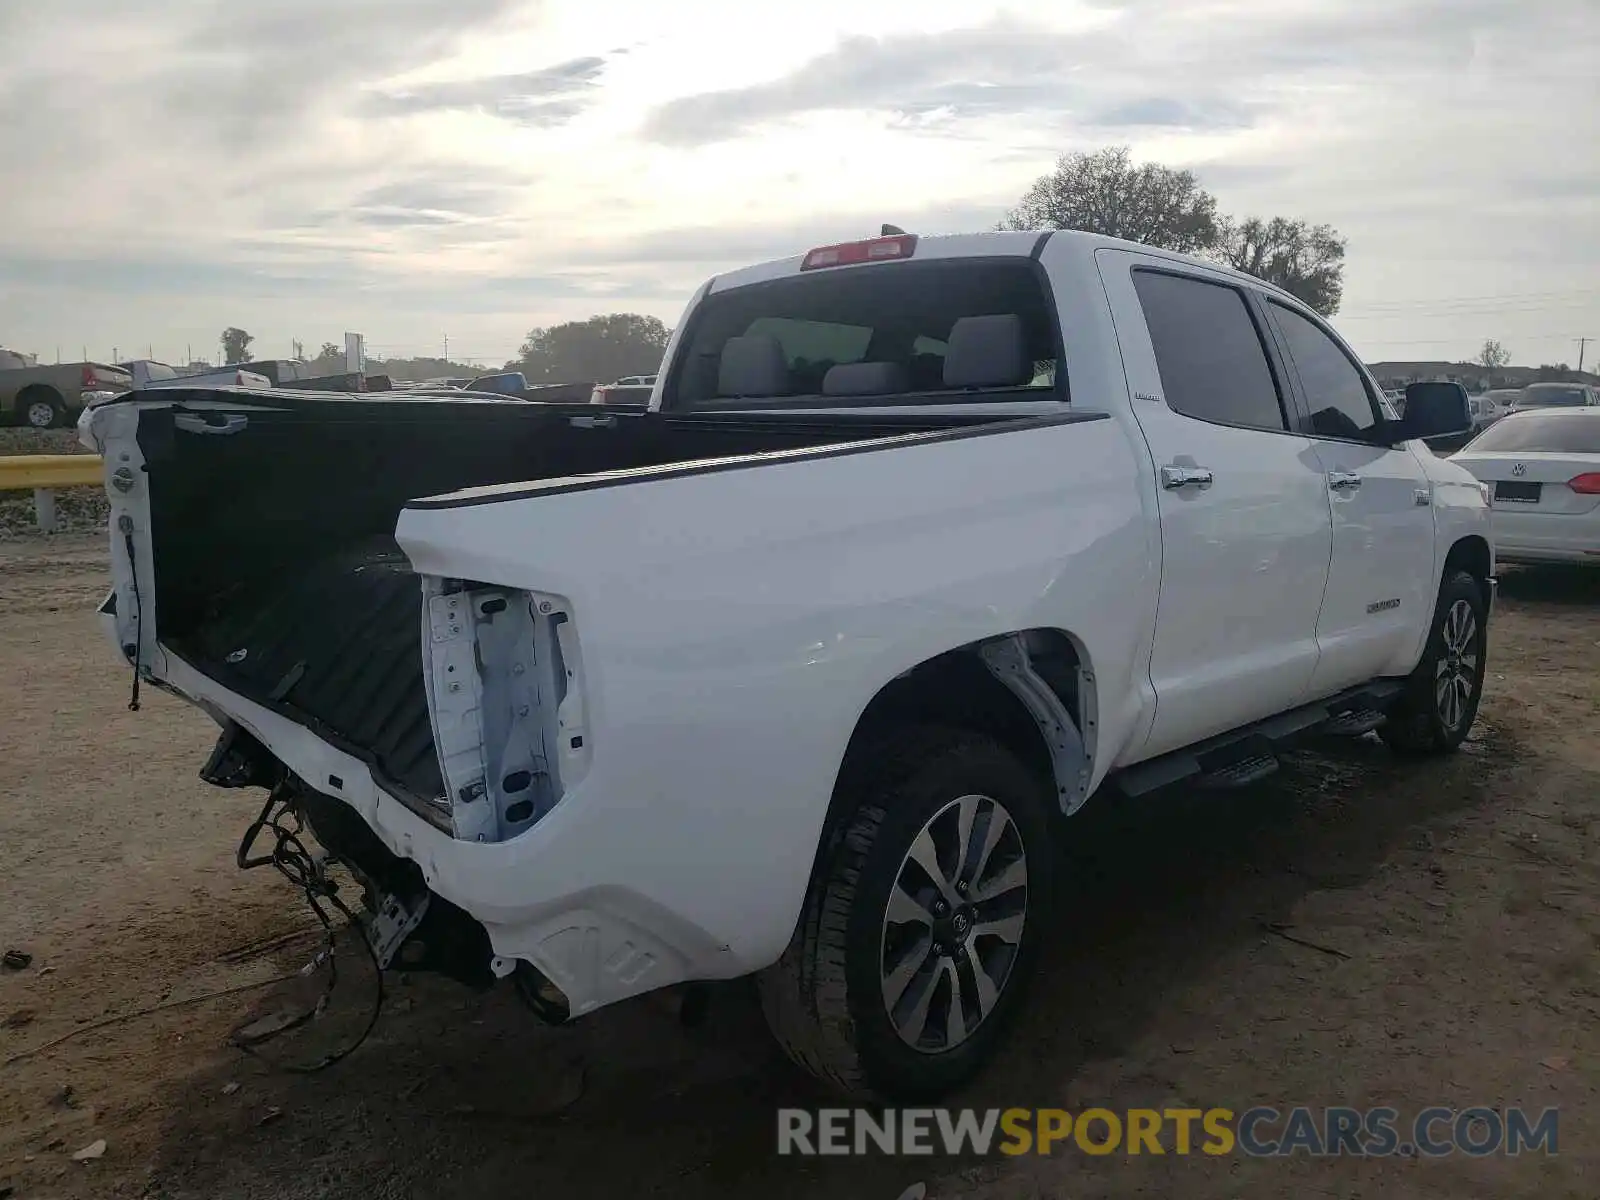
563,896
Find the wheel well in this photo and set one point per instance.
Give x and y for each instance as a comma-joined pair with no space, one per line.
1470,554
957,689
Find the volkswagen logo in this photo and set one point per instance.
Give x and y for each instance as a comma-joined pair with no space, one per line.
1519,468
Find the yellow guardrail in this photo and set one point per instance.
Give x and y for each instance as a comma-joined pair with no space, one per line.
19,472
44,473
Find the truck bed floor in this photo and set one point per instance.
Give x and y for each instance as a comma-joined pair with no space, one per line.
339,642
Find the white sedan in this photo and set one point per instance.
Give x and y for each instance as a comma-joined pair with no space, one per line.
1542,467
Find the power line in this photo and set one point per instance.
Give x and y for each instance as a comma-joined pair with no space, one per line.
1398,304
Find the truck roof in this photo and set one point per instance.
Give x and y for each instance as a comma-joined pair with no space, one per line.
991,244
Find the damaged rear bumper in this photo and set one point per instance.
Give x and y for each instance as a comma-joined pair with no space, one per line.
599,943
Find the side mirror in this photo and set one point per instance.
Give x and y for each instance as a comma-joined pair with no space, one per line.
1434,410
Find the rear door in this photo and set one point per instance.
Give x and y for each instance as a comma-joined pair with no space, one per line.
1246,534
1383,580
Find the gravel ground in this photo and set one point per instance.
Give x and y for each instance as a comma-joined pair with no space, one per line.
1460,897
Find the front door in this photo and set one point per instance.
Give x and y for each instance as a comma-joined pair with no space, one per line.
1383,581
1246,534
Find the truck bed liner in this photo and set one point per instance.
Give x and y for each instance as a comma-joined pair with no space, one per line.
338,642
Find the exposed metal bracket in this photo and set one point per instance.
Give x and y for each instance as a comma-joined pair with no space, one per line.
391,925
1008,661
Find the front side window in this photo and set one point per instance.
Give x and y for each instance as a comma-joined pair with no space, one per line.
1336,392
1212,362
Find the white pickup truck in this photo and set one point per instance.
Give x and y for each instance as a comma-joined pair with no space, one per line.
920,544
148,373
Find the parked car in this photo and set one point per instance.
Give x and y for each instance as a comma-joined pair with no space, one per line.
48,396
1557,395
922,543
1543,466
147,373
1490,406
630,389
502,382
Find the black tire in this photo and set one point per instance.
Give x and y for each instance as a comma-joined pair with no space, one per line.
824,999
31,404
1423,721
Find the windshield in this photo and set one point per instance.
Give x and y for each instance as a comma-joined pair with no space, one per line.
890,325
1562,433
1540,396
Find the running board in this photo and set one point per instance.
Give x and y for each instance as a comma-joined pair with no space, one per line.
1251,752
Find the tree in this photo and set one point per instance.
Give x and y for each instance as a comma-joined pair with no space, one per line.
1104,192
330,350
1493,355
598,350
1305,260
235,345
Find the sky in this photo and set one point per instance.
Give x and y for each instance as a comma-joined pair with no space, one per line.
433,171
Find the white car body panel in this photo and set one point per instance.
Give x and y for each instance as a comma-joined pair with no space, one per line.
1562,526
735,620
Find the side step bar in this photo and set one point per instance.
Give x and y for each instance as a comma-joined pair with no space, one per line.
1245,755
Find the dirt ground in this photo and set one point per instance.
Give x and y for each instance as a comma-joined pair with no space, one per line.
1460,897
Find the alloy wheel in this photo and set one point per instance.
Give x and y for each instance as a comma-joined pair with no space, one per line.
1456,674
953,926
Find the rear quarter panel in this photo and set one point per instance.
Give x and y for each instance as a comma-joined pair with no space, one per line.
734,624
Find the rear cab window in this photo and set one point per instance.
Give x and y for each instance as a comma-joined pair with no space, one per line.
910,332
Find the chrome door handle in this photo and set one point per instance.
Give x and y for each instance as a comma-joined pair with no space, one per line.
1173,478
1343,481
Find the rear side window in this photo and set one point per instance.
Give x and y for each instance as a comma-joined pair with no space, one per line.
1209,351
932,330
1336,394
1533,432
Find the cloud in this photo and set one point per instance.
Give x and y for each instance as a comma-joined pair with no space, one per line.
708,247
1168,112
1229,58
905,73
407,166
546,97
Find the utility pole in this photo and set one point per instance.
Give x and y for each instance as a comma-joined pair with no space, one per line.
447,347
1582,342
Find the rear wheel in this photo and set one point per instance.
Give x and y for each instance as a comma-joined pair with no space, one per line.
1441,698
42,410
920,930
